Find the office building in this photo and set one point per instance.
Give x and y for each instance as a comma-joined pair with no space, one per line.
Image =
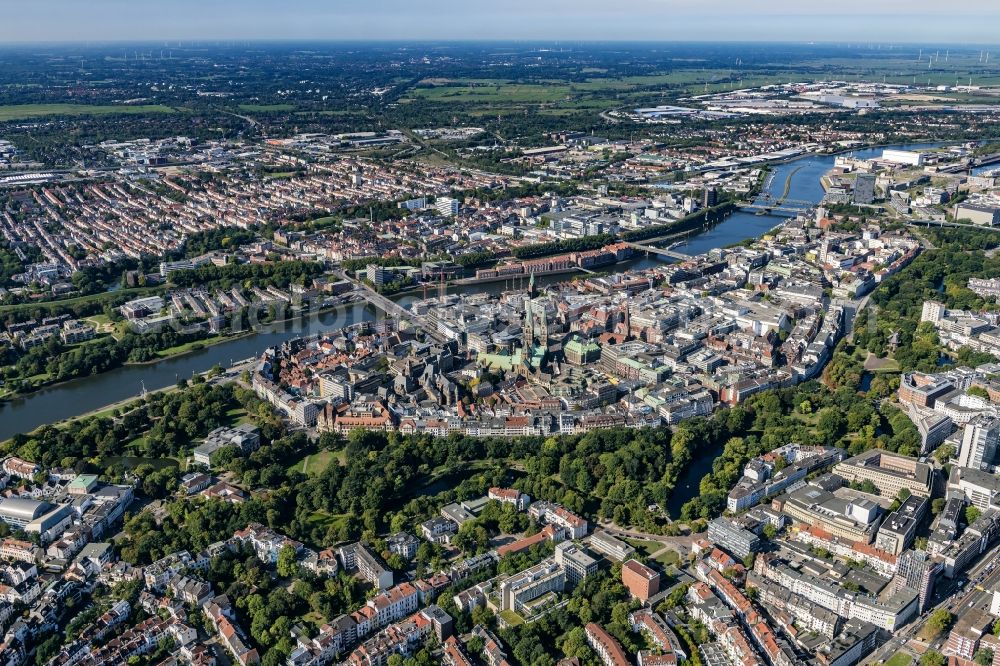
889,472
917,571
530,584
979,488
446,206
606,544
576,561
979,442
854,520
733,538
864,188
711,197
933,429
641,581
378,275
900,527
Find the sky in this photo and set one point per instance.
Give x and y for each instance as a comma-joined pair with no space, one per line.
900,21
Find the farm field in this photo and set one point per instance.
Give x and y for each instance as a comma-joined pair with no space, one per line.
27,111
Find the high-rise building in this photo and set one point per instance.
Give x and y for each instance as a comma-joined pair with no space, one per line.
711,197
917,571
446,206
864,188
932,311
979,442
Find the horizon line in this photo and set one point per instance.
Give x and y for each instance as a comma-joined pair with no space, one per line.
500,40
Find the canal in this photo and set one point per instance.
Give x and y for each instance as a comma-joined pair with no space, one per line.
689,482
79,396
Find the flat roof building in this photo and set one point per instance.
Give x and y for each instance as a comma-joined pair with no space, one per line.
889,472
576,561
641,581
733,538
605,543
530,584
900,527
855,520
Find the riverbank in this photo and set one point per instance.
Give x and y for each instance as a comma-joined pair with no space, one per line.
189,347
504,278
175,352
24,413
163,355
105,411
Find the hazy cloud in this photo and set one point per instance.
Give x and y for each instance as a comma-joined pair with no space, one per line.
667,20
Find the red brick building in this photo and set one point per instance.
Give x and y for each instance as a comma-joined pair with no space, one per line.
641,581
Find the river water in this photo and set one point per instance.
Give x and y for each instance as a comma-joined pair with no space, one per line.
79,396
805,186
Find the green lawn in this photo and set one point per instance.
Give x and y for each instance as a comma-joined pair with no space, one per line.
876,364
317,462
25,111
592,94
511,618
315,619
646,548
494,92
324,519
899,659
103,324
102,414
183,348
136,444
266,108
237,415
194,345
669,558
